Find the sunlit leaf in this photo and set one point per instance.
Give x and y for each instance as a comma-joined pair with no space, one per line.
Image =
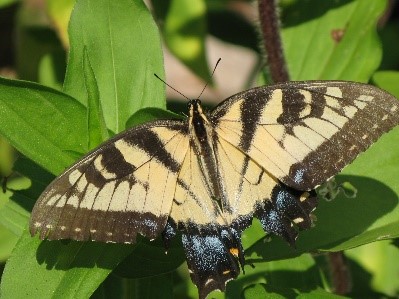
42,123
388,80
332,39
123,46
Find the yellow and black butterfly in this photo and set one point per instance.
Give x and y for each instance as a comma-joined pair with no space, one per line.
259,153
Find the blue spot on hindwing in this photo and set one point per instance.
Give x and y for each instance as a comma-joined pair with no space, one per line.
298,178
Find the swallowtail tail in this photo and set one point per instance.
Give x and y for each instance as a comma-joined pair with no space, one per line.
259,153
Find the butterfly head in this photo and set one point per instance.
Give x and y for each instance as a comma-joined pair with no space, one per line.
194,107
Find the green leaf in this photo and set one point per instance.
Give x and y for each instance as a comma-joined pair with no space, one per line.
313,45
42,123
7,156
379,272
124,49
184,30
160,286
5,3
149,259
278,279
152,287
39,178
48,71
123,72
56,269
60,11
148,114
388,33
38,48
319,293
259,291
232,27
17,202
7,243
95,118
387,80
13,216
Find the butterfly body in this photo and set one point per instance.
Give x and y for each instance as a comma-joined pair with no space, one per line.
202,139
259,153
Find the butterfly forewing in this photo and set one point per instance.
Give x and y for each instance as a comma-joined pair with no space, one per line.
305,132
124,187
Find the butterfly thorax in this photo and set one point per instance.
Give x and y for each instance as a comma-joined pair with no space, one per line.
202,138
198,120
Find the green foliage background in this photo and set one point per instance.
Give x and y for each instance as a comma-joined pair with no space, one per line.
115,47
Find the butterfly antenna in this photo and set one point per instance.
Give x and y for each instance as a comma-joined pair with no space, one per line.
171,87
214,69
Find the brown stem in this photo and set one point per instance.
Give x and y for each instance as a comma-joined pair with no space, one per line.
269,22
268,16
340,274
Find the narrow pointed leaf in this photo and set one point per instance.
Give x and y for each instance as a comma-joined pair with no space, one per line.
123,46
96,127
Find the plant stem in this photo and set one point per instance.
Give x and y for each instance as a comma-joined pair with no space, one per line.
269,22
340,274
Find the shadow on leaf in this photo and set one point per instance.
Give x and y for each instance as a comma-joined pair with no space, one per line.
341,224
299,12
143,259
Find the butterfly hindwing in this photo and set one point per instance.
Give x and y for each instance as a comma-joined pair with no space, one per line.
305,132
124,187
